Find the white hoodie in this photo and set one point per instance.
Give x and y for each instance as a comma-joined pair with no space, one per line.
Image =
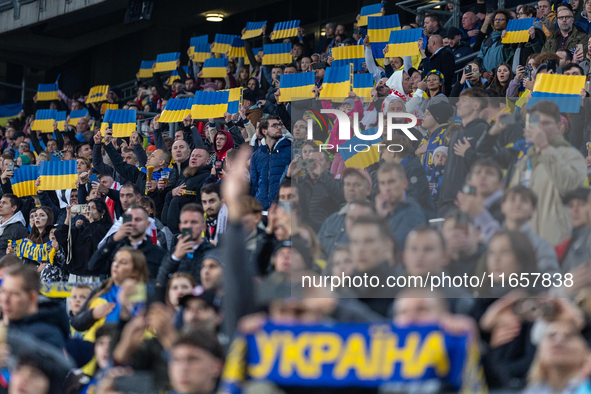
16,218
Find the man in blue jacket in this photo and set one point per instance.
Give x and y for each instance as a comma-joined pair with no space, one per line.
268,163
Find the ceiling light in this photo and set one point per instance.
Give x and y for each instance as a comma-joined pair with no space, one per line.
214,17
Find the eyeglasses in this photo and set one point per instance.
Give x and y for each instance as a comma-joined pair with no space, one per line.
564,18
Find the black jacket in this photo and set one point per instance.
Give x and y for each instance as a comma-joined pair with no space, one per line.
12,232
50,324
100,262
192,266
457,167
85,240
442,61
418,185
130,172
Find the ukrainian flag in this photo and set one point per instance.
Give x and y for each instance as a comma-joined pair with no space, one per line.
404,42
253,29
200,48
23,181
237,49
277,54
378,30
146,69
75,115
97,94
123,122
107,106
9,111
369,10
214,104
360,153
176,110
563,90
294,87
362,85
166,61
47,92
285,30
517,31
348,54
337,83
222,43
174,75
215,68
58,175
44,120
61,120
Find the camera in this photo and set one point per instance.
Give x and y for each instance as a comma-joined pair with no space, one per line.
304,164
80,208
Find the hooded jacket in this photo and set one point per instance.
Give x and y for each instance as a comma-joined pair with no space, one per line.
14,228
584,22
576,37
491,52
266,169
221,154
50,324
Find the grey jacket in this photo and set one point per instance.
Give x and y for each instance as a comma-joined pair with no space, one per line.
333,231
545,254
579,249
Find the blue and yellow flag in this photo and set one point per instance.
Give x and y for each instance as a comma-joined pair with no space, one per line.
77,114
176,110
360,153
356,355
62,289
277,54
253,29
285,30
123,122
97,94
9,111
404,42
166,61
23,181
369,10
146,69
199,47
47,92
58,175
214,104
174,75
237,49
215,68
61,120
294,87
222,43
563,90
349,54
378,30
44,120
336,84
106,106
362,85
25,249
517,31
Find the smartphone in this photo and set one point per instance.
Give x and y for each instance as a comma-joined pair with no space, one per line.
468,69
471,190
141,295
509,119
11,166
79,208
126,218
218,165
580,47
528,73
462,221
140,382
303,164
533,120
286,205
111,124
551,66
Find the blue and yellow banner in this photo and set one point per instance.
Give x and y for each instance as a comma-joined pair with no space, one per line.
349,54
378,30
47,91
215,68
107,106
77,114
285,30
404,42
214,104
337,82
44,119
97,94
362,85
277,54
9,111
360,153
166,61
123,122
58,175
294,87
62,289
413,359
222,43
563,90
61,120
517,31
25,249
174,75
176,110
253,29
237,49
367,11
200,48
146,69
23,181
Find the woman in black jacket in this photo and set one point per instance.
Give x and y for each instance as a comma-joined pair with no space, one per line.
80,242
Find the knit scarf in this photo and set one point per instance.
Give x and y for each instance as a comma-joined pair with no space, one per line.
534,156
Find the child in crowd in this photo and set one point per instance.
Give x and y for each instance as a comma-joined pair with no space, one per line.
436,174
